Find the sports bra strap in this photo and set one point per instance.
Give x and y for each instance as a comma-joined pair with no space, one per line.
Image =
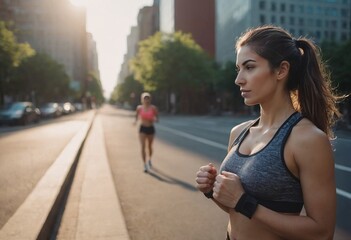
243,132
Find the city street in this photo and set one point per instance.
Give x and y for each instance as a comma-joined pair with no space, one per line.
163,204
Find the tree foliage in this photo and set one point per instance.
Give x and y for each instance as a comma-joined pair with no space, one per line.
42,76
95,88
12,54
338,58
174,63
128,92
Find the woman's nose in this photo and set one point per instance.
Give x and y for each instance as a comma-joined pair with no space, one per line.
239,80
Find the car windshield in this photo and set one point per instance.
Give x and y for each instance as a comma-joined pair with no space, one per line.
16,106
49,105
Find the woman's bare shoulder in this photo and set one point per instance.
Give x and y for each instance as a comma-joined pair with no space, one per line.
305,132
309,142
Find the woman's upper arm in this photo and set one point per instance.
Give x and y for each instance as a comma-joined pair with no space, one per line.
137,110
314,157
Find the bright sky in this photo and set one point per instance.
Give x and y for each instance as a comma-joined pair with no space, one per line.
110,21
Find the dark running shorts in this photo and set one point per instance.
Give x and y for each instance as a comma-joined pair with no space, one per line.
147,130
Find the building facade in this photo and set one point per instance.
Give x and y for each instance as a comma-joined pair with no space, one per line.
196,17
56,28
92,56
321,20
147,25
132,46
147,22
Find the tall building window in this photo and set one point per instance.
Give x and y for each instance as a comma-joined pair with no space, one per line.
273,19
301,9
318,35
344,12
282,7
318,23
334,24
273,7
262,5
292,21
262,19
282,19
309,10
326,35
301,22
344,25
292,8
344,36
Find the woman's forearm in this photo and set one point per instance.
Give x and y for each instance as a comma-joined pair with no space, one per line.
291,226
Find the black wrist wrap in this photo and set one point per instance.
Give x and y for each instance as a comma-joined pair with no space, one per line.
209,194
246,205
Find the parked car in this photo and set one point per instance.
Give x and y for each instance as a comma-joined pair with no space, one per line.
68,108
51,110
20,113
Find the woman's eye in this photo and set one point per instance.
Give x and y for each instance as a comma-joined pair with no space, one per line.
249,67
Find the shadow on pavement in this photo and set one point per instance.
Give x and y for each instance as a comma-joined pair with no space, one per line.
163,177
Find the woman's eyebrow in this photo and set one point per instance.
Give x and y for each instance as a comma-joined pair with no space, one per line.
247,61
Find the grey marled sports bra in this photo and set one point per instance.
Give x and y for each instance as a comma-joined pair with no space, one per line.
264,174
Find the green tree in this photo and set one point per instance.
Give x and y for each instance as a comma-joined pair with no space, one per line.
12,54
128,92
175,64
338,57
95,88
43,77
225,87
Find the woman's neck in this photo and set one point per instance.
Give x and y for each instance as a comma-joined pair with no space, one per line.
274,117
146,105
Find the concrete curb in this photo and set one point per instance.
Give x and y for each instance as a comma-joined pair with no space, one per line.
37,216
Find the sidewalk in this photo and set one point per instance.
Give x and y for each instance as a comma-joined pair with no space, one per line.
93,209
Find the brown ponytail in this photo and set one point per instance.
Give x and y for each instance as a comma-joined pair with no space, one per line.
314,93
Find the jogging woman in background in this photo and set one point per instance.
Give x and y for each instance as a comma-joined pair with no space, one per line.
148,114
282,161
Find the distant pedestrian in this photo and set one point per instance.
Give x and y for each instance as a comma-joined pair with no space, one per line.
282,161
147,114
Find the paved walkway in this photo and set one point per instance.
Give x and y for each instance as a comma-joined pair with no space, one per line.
93,209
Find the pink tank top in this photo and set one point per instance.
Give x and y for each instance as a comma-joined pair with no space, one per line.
148,114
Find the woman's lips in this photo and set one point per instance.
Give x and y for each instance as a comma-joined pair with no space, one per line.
244,93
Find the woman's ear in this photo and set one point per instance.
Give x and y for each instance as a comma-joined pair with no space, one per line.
283,71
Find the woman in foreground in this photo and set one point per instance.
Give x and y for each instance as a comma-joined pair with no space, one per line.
282,161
